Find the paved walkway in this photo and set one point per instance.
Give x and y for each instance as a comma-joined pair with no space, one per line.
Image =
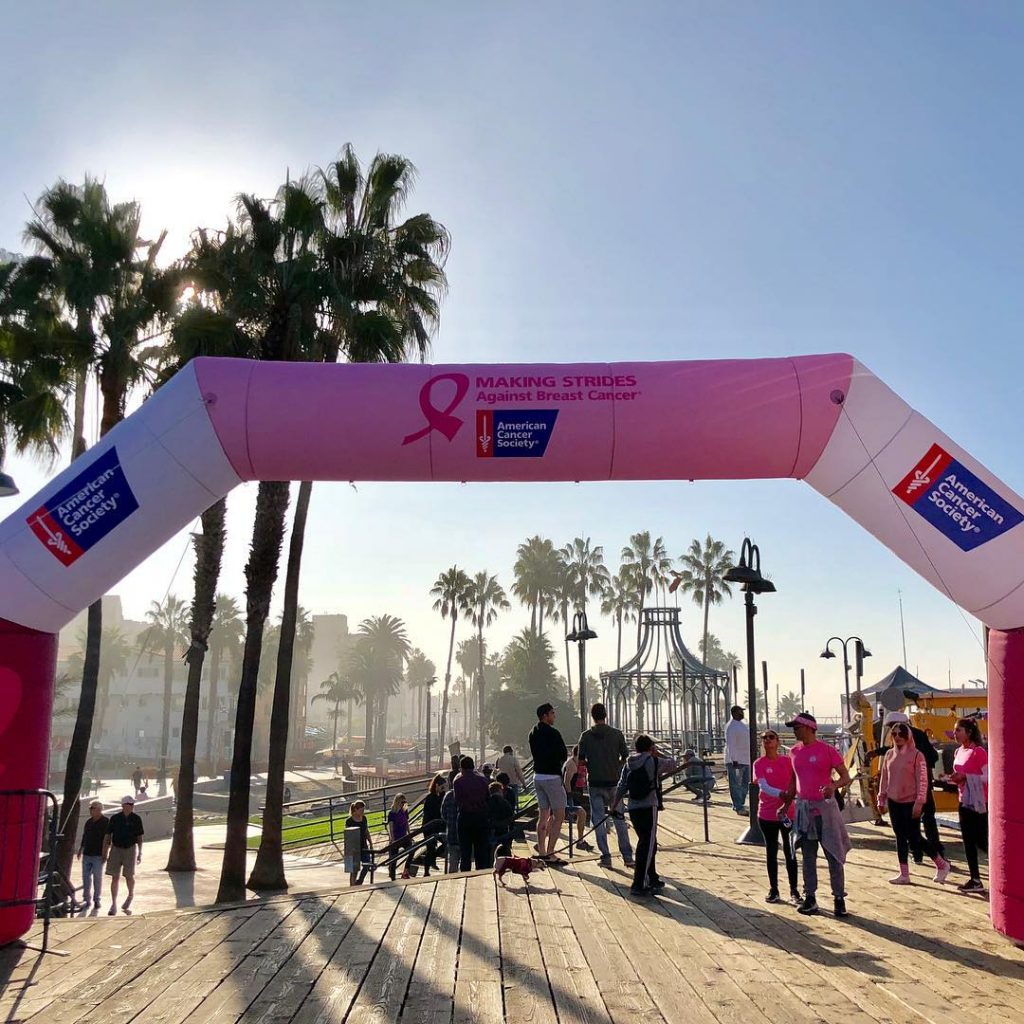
574,948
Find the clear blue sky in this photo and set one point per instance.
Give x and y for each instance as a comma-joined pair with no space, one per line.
673,181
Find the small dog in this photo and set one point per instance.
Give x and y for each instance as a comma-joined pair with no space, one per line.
518,866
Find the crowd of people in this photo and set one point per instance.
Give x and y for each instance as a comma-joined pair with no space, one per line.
470,816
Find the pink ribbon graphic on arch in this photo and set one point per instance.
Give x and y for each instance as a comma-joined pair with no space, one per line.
437,419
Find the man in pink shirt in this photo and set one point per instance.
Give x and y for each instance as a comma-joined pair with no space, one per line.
818,820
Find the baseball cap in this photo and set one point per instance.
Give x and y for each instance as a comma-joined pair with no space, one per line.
128,800
804,718
895,716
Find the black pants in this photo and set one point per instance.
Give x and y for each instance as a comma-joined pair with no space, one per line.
474,841
930,828
772,830
974,829
393,850
645,824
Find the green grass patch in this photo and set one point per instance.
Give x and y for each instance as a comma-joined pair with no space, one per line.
311,831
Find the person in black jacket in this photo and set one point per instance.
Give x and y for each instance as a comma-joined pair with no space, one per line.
501,814
549,754
433,823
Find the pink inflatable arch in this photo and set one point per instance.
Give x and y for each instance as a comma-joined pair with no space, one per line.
823,419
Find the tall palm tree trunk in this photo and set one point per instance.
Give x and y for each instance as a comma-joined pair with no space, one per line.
268,871
75,768
260,574
348,718
368,738
480,691
334,746
211,711
209,552
444,699
165,718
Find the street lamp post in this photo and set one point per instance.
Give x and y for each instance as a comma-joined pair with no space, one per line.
860,653
748,575
580,634
427,752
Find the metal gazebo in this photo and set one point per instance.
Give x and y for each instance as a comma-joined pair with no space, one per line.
665,689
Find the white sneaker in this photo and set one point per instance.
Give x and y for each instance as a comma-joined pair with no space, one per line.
900,880
941,874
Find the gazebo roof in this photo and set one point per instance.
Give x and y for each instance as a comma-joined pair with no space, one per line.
656,623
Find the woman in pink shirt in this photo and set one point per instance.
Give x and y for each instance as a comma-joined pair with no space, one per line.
970,773
773,774
903,788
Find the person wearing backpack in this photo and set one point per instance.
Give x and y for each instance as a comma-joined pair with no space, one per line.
641,782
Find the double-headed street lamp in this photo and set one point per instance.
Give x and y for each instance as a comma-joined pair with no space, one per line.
748,575
860,653
580,634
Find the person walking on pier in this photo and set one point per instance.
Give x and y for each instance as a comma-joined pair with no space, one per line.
603,749
818,819
970,773
773,773
737,758
509,764
91,851
549,754
123,850
903,789
641,782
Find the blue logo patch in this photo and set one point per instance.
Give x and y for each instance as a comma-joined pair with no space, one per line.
959,505
513,435
85,510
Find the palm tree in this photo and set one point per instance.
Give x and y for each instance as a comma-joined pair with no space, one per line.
93,265
485,600
420,675
788,706
450,590
167,630
115,650
381,649
701,576
302,664
538,572
226,635
647,563
468,655
617,601
209,547
337,690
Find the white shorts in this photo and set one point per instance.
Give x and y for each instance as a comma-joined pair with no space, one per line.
551,795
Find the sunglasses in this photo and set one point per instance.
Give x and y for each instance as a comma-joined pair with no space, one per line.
769,736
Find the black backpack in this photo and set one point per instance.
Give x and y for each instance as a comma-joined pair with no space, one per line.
639,784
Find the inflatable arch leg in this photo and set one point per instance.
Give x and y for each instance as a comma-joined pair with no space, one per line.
28,660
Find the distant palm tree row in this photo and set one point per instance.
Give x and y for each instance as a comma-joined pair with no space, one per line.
553,583
325,270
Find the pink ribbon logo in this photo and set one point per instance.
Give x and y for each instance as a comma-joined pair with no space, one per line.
437,419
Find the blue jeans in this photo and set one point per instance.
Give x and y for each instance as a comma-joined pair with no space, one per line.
92,879
600,798
739,785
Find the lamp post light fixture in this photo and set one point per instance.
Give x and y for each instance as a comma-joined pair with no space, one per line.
860,653
8,488
748,575
581,633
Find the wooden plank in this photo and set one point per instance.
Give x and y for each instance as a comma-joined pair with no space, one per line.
99,979
432,986
331,996
576,992
265,961
176,994
478,983
528,997
383,991
625,995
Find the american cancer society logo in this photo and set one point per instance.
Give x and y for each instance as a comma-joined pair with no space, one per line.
84,511
504,434
958,504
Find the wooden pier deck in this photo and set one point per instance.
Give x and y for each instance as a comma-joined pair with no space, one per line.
573,950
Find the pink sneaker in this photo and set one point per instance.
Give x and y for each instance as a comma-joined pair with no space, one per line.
900,879
942,870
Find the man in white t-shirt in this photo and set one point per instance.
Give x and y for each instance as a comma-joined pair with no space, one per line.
737,759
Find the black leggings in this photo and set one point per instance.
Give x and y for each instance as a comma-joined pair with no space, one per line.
974,830
771,830
395,848
908,832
